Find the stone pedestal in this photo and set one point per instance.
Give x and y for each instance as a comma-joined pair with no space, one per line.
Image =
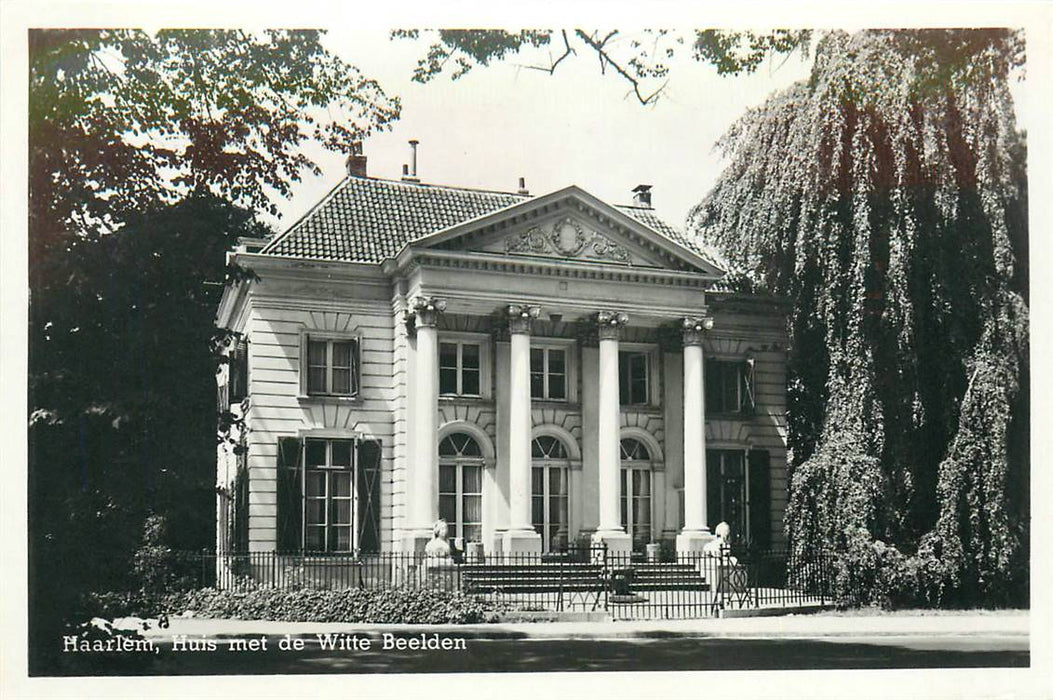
520,542
414,541
617,541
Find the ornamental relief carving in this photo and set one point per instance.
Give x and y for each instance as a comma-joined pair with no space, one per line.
568,239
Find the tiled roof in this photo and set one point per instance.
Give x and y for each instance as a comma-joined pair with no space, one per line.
648,218
370,220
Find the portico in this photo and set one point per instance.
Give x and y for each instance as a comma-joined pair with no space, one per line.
515,487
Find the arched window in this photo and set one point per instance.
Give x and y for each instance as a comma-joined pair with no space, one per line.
461,486
636,490
550,491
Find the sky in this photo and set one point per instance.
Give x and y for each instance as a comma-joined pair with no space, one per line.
577,126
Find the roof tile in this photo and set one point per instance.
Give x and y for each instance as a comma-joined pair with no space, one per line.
370,220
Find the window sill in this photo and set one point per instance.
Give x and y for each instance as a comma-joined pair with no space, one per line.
641,408
555,403
329,398
478,400
728,415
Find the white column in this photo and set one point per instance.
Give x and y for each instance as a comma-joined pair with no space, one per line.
520,536
423,472
694,441
610,529
695,534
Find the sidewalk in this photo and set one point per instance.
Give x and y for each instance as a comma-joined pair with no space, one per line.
1009,624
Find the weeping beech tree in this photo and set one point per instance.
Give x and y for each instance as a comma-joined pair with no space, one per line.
886,196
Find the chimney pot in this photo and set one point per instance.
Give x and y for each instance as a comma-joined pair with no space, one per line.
522,186
642,196
413,157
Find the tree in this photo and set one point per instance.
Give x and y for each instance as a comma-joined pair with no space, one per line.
886,196
147,153
641,60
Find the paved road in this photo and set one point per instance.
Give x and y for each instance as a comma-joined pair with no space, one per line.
637,654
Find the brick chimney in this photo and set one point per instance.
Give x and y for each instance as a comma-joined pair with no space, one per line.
356,162
642,196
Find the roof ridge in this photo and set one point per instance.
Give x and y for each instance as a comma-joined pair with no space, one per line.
456,188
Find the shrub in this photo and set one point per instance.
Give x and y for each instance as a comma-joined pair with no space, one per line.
403,605
156,566
113,604
869,572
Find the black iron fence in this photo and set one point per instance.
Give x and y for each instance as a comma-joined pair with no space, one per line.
658,584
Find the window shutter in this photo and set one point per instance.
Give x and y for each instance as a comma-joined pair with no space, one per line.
290,494
760,498
368,487
356,366
240,522
239,371
713,509
749,400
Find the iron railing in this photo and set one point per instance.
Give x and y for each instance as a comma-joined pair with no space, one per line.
661,584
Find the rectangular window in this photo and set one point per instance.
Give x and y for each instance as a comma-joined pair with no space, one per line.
461,500
549,505
636,504
328,495
548,374
633,378
728,386
460,369
239,373
329,503
332,367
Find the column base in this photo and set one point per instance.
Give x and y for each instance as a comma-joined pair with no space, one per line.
520,542
617,541
692,542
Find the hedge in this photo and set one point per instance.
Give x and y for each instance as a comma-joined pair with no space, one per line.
405,606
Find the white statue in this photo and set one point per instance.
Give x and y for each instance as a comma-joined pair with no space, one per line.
714,547
438,545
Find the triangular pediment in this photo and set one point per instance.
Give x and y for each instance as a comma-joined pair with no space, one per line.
569,236
569,225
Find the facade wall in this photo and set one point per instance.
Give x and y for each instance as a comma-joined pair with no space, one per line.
383,412
277,407
276,313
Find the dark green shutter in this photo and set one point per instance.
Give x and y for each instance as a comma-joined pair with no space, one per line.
356,367
714,512
240,503
290,494
239,371
368,486
760,498
749,400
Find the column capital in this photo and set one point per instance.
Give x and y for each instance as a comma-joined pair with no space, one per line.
610,323
520,317
424,311
693,329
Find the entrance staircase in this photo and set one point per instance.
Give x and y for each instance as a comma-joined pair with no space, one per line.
666,576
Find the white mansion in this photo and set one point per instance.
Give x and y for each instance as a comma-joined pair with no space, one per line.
537,370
